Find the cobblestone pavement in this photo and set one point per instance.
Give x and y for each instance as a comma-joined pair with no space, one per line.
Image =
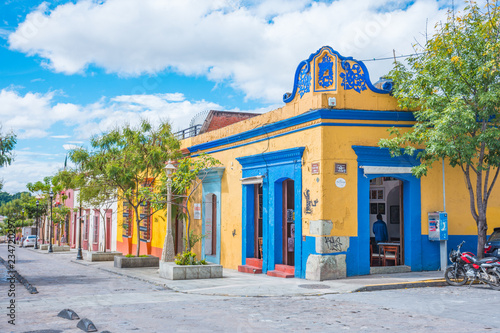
121,304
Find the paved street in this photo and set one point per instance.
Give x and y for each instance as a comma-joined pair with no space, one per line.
120,304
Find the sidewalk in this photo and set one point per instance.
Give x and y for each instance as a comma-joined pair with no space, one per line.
239,284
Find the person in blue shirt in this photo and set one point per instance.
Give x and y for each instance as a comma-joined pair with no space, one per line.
380,230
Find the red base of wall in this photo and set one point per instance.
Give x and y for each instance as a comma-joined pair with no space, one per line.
126,247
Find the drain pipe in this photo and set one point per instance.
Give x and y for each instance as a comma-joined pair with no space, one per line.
443,246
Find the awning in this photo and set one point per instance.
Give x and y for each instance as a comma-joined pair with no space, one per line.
252,180
369,169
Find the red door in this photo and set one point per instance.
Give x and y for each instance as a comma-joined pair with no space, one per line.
95,238
108,231
86,226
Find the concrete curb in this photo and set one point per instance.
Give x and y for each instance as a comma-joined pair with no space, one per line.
403,285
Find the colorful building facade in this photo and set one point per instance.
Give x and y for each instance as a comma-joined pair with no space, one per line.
301,186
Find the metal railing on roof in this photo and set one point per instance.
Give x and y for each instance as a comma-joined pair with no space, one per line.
188,132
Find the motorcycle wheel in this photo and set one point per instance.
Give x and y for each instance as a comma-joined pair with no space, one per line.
455,280
496,275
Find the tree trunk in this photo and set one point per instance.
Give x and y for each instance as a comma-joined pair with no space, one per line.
482,228
137,225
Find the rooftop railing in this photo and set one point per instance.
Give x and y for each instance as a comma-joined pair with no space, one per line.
188,132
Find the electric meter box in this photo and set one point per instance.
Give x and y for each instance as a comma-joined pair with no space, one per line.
438,226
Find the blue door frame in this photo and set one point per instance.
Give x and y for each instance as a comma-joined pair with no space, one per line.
275,167
358,261
212,185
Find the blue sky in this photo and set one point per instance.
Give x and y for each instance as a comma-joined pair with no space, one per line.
73,69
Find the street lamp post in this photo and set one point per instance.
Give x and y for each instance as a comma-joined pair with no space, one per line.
79,255
168,248
36,228
51,194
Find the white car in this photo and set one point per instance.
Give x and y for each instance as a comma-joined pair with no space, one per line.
30,241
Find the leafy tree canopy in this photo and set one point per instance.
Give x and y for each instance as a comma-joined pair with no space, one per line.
129,159
453,83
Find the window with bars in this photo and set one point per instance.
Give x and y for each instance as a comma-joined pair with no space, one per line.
145,224
128,220
145,216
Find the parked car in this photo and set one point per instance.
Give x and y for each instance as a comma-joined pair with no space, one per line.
492,246
29,241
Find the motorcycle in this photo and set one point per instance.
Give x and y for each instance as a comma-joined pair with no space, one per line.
467,267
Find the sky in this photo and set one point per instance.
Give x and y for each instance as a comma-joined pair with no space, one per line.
73,69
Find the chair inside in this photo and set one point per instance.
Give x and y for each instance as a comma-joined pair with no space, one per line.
390,253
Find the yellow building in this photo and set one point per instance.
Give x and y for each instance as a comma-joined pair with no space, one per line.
301,186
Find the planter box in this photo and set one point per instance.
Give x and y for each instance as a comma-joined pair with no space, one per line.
132,262
172,271
57,248
102,256
44,247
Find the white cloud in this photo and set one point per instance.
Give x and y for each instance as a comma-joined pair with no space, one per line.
256,48
23,170
33,115
70,146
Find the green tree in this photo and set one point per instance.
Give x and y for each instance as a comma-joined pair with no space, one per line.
453,83
7,143
99,194
186,180
16,214
57,184
130,159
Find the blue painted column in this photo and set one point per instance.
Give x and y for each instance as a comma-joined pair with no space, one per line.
212,185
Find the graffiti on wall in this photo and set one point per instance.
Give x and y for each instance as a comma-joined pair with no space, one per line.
309,202
333,244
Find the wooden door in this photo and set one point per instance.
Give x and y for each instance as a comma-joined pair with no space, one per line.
258,238
95,236
288,223
108,233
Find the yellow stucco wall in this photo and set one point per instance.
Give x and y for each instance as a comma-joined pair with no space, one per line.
328,145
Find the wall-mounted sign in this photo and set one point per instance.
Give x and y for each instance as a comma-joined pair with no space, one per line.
340,182
340,167
315,168
197,211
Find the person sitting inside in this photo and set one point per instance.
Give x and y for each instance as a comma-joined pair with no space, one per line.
380,230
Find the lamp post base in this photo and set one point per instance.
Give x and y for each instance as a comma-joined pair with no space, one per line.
79,255
50,248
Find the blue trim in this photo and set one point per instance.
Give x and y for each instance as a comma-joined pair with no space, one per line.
288,97
375,156
320,114
303,129
358,262
212,184
275,167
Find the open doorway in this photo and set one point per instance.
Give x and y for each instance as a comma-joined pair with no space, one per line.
386,208
288,223
258,234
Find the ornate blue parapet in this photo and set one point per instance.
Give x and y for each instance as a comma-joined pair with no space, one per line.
321,71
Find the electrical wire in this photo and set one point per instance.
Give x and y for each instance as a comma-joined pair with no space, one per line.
390,58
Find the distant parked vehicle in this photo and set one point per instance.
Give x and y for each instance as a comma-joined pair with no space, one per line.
29,241
492,246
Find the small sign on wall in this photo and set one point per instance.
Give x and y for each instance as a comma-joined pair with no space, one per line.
197,211
315,168
341,168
